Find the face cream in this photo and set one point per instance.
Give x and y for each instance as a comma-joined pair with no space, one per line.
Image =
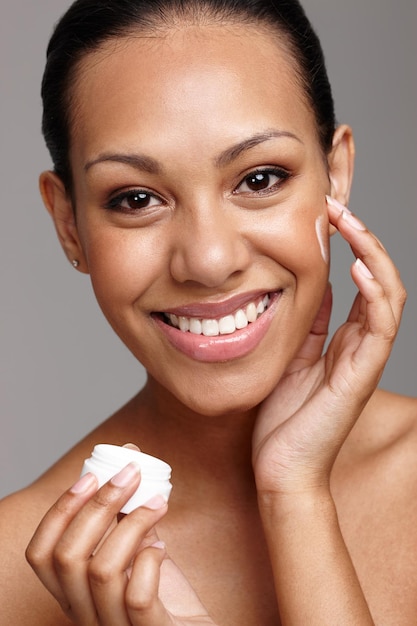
107,460
321,232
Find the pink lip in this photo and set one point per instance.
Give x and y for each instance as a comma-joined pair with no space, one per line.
223,347
214,310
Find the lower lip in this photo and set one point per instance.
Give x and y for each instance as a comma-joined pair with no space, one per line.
222,347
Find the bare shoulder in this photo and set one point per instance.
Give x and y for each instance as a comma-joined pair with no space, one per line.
23,598
387,425
380,454
375,483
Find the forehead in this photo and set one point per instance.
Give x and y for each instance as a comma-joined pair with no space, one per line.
192,82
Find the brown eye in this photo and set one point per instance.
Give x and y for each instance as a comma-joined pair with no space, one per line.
133,201
256,182
137,201
262,181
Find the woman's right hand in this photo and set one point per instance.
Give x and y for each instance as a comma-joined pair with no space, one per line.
105,573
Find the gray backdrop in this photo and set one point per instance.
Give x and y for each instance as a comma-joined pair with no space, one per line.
62,369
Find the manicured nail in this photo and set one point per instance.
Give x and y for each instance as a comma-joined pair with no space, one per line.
84,483
156,502
353,221
158,544
131,446
363,269
126,475
337,205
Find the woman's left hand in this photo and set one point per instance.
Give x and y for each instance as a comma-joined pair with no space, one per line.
302,425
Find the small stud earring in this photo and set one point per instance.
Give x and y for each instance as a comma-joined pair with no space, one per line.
75,263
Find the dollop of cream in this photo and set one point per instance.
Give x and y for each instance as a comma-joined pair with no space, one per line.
322,238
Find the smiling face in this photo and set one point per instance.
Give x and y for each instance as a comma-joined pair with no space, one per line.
199,185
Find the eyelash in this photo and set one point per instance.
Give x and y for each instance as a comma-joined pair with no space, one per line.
281,174
115,203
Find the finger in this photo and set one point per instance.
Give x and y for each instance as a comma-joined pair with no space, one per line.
370,340
158,590
357,312
143,603
312,347
366,246
131,446
83,535
378,319
108,570
40,551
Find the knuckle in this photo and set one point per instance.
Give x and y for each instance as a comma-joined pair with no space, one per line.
105,499
402,295
138,601
391,332
100,572
34,555
64,557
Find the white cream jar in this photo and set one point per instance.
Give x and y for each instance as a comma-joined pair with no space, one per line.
107,460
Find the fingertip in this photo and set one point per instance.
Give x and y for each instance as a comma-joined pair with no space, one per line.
335,204
142,591
363,269
159,544
84,484
131,446
155,503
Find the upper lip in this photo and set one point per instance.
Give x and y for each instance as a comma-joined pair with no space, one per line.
211,310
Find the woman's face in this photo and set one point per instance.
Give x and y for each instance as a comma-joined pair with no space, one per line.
200,194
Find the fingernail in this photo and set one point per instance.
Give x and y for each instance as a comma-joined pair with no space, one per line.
337,205
156,502
84,483
131,446
126,475
158,544
363,269
353,221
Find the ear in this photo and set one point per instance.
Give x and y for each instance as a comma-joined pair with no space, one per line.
341,164
59,205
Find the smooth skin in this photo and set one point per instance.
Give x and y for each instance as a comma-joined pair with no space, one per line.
294,499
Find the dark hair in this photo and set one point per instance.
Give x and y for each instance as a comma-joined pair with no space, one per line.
89,23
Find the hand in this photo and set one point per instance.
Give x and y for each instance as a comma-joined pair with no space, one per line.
105,573
302,425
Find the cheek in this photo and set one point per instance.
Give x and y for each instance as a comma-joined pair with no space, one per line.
122,266
298,240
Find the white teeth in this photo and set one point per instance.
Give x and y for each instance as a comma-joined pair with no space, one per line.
251,312
241,321
210,328
195,326
225,325
183,323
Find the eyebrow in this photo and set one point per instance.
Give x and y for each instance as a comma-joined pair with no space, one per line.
138,161
233,152
152,166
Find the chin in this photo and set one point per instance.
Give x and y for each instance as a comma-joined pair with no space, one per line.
217,396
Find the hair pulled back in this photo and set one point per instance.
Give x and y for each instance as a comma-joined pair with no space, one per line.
89,23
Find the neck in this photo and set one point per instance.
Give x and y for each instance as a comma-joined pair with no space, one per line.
210,455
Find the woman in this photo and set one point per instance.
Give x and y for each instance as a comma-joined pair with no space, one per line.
197,177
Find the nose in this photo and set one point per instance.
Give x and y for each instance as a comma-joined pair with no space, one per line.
208,246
